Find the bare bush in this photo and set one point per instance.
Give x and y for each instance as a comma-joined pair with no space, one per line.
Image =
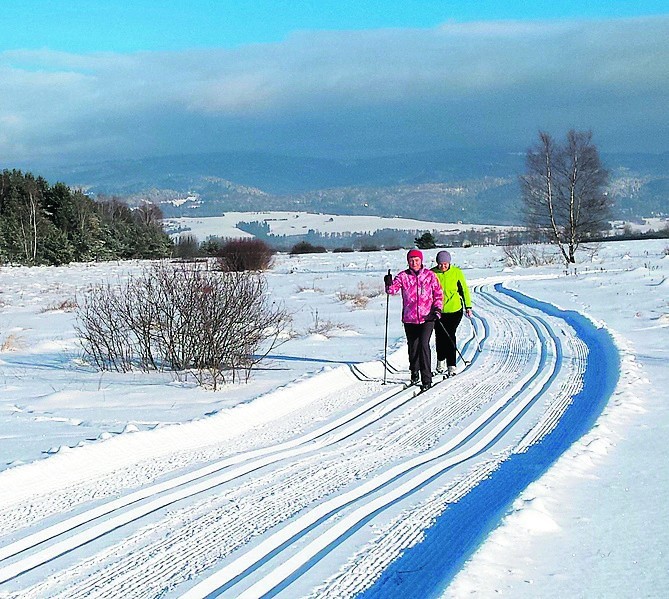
592,250
68,305
311,289
304,247
326,328
215,326
245,254
526,256
359,298
12,343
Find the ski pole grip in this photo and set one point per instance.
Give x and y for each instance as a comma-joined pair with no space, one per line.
387,279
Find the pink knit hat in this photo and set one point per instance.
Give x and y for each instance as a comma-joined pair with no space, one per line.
413,254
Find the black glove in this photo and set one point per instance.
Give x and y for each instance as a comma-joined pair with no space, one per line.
388,280
435,314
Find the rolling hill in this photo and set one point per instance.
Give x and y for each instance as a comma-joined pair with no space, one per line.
476,186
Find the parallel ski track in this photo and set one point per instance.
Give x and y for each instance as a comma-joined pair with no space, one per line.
393,539
579,352
212,475
468,443
409,435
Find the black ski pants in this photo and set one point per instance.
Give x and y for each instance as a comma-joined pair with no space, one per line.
420,357
446,340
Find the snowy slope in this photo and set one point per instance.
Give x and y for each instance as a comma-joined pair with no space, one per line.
299,223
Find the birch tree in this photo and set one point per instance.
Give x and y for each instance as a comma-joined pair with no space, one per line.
563,191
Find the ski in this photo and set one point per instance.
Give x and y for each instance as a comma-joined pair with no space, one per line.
437,378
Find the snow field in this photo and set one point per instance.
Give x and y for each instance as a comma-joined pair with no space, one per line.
408,446
315,489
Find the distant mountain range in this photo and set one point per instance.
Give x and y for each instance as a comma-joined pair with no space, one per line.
475,186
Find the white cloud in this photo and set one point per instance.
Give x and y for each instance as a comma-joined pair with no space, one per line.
375,91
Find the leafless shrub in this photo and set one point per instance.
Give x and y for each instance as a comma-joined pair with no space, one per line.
304,247
526,256
12,343
323,327
312,289
359,298
68,305
214,326
245,254
591,249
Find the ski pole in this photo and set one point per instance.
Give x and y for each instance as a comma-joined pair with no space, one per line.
385,342
476,338
452,342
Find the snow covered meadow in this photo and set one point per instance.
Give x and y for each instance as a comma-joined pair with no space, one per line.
537,472
299,223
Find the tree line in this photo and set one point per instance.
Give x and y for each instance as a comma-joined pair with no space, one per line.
53,224
563,193
380,239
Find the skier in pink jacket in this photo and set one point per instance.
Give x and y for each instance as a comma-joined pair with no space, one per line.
422,300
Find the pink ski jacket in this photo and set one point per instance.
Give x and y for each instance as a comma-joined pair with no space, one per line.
421,292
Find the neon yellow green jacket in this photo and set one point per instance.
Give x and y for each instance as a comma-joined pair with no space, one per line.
455,289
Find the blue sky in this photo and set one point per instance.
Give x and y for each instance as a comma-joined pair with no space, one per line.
87,80
120,26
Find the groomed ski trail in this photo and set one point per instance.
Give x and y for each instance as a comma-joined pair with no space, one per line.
277,519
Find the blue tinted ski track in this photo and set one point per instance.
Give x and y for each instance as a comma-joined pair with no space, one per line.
401,592
300,571
426,569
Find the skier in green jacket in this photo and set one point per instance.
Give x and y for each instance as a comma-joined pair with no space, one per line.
456,299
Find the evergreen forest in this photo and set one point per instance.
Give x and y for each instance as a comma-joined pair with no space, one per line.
43,224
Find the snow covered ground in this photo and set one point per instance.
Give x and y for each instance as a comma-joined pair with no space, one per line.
299,223
316,479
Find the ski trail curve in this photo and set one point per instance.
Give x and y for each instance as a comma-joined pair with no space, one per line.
270,520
